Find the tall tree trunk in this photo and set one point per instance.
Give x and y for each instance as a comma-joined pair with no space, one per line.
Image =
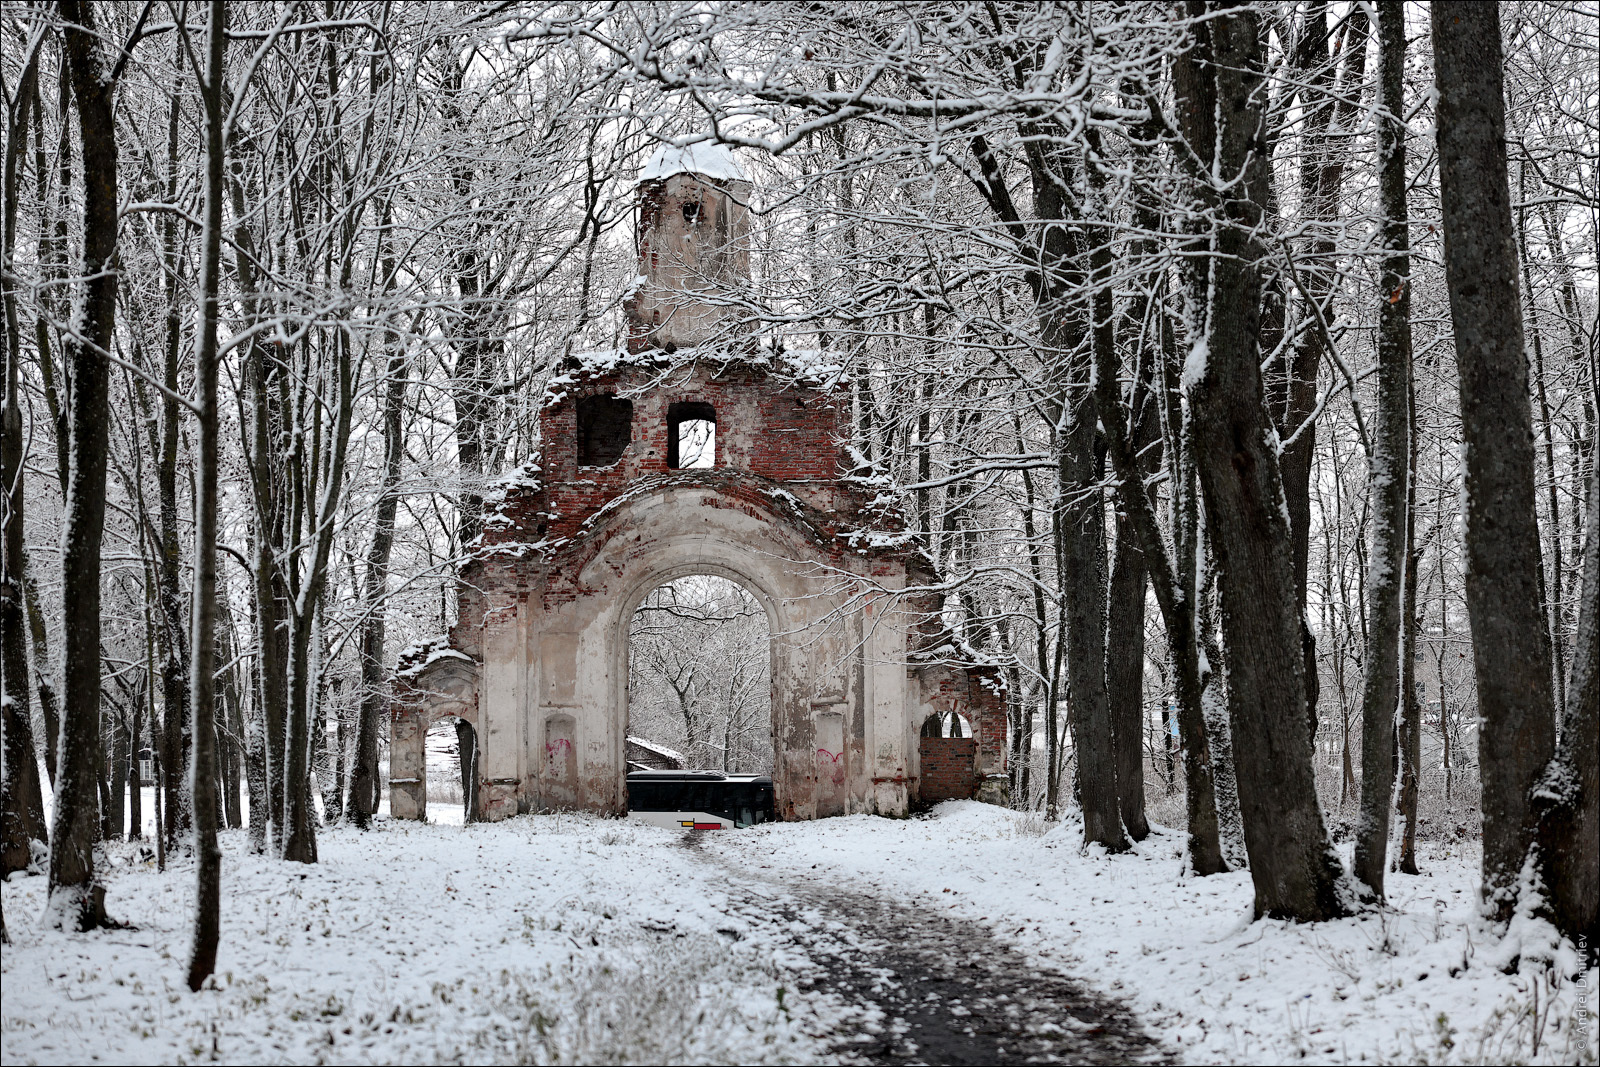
255,770
270,690
1081,505
1510,647
232,713
117,729
1174,580
1388,468
299,828
1410,734
43,669
1129,573
1554,592
203,603
175,728
1137,535
1125,675
1569,795
1084,594
299,825
22,818
76,898
1196,676
135,772
1322,171
373,698
1297,874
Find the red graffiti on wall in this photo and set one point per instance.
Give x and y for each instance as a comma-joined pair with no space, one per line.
824,757
556,753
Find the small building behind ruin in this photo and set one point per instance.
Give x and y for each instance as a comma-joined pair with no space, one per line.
537,662
642,755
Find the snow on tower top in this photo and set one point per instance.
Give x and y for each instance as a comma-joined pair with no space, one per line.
715,161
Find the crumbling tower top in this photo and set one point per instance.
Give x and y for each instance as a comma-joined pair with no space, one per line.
693,243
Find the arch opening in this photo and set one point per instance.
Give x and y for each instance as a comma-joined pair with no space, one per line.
947,724
700,678
450,771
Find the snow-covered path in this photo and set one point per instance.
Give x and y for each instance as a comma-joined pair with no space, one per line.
929,988
566,939
551,939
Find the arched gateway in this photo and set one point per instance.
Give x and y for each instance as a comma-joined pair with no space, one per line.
538,660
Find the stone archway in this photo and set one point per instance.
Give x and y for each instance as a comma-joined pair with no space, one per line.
761,575
723,641
564,659
571,545
448,690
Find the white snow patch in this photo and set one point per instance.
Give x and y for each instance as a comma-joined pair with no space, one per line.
651,746
572,939
557,939
704,157
1195,363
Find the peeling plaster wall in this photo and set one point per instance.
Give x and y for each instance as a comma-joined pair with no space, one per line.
693,239
573,633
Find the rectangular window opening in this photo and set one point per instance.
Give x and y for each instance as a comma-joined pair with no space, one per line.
605,426
692,440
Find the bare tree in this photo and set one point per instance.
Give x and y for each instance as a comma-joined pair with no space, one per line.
21,801
1296,873
76,898
1388,470
203,604
1510,649
1568,798
364,777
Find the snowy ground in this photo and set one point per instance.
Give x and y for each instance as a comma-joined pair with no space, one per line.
1407,985
556,939
568,939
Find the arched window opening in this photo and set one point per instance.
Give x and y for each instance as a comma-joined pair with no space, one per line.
699,678
946,724
692,435
450,750
605,426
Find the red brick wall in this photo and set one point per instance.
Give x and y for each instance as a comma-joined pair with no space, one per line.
948,768
773,429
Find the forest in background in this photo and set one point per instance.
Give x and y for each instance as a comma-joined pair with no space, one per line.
1151,316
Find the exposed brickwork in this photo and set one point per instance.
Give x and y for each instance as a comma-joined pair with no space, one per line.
948,768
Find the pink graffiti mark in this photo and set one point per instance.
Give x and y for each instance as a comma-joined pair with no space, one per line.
557,753
836,758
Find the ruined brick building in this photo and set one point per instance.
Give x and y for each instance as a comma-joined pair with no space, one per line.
538,660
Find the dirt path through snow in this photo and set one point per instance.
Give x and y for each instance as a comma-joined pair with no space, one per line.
930,988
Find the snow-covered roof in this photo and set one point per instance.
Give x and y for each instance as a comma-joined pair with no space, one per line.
712,160
651,746
417,658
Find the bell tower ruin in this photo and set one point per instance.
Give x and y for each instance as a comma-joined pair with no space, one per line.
537,662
